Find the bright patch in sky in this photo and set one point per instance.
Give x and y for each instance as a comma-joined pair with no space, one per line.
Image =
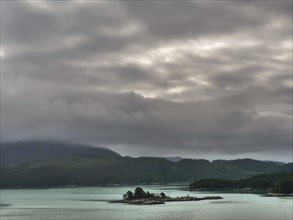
2,53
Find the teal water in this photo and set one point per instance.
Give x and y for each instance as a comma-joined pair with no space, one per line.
89,203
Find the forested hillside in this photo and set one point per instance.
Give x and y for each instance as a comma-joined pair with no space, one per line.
280,183
101,166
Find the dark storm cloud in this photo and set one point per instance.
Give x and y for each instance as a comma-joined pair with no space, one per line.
173,20
129,118
209,77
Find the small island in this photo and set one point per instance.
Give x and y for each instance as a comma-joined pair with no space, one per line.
140,197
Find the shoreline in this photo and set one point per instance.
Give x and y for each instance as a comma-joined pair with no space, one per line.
156,201
278,195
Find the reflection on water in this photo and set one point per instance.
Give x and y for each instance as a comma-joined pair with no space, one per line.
227,202
92,203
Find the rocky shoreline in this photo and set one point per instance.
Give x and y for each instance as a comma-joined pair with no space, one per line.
151,201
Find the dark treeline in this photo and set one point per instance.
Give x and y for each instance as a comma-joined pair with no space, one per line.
279,183
139,193
88,171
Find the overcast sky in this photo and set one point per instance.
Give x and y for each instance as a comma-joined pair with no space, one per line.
198,79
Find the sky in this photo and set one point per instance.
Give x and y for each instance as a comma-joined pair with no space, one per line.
197,79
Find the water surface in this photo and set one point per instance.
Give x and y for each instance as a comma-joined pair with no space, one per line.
92,203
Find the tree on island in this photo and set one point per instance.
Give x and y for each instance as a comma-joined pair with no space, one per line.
128,195
139,193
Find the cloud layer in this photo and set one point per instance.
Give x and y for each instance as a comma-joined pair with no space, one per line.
191,78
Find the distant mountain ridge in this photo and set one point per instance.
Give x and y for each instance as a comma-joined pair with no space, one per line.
25,151
26,164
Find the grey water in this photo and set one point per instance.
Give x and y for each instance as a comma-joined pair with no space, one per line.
88,203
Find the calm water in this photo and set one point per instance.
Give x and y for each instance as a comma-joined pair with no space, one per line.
91,203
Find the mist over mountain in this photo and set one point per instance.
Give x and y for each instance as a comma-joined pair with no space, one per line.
174,159
19,152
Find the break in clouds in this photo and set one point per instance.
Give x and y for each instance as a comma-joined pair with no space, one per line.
150,78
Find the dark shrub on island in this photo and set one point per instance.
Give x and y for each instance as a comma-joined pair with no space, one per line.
139,193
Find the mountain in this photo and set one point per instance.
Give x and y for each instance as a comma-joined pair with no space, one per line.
255,165
19,152
49,164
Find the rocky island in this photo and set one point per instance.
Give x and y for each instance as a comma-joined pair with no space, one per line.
140,197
